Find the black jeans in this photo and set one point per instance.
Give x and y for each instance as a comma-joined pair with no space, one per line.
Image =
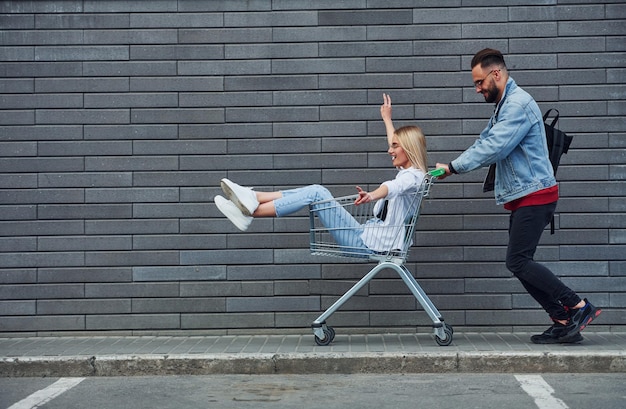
526,225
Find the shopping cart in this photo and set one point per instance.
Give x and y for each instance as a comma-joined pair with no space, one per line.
344,242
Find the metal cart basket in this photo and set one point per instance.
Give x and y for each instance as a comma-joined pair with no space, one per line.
348,241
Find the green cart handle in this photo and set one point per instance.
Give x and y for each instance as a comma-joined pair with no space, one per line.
437,172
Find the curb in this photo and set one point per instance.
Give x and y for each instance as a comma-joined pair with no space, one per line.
314,363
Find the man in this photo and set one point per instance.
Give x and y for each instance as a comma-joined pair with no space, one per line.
514,140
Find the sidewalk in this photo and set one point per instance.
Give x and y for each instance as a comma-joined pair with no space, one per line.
298,354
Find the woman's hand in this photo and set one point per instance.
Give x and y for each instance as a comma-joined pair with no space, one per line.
364,197
385,108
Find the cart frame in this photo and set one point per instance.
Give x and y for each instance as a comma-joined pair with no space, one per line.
394,259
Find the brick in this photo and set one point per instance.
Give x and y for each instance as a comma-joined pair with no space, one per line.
41,101
42,69
366,81
18,308
131,163
179,273
84,275
82,53
132,195
134,226
126,68
84,148
84,21
178,242
365,17
422,31
131,290
41,37
282,50
17,53
254,67
175,116
158,131
276,114
15,21
182,84
178,305
225,35
65,307
307,34
224,256
230,99
365,49
198,5
277,82
176,20
176,52
41,291
145,36
165,210
16,117
323,65
43,323
230,320
109,6
131,100
18,244
33,259
123,258
276,303
82,116
9,85
35,228
31,196
83,243
89,179
18,148
132,321
18,276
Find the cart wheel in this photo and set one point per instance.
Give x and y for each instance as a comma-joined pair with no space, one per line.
328,338
332,333
448,339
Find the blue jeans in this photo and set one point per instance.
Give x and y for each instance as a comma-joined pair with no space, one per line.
342,226
526,225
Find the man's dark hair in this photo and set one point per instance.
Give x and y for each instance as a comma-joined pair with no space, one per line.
488,57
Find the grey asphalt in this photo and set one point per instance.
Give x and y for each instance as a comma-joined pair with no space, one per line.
80,356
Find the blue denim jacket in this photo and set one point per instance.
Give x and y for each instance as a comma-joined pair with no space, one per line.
515,141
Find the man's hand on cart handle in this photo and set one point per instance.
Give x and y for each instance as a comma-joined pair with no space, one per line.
441,171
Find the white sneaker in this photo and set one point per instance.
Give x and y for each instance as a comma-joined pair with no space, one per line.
228,208
243,197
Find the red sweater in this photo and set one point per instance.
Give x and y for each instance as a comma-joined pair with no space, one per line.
540,197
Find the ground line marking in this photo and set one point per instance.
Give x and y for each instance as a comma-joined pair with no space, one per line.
45,395
540,391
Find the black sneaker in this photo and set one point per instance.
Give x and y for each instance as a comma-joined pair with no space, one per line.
579,319
553,336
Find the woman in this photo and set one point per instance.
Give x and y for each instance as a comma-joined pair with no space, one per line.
407,148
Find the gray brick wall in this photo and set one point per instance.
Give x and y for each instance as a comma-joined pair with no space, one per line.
119,118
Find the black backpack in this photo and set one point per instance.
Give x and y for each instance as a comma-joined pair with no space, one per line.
558,141
558,144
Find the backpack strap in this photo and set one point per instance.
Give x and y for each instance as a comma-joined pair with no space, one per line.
554,147
547,114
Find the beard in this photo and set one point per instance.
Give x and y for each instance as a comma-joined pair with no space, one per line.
491,93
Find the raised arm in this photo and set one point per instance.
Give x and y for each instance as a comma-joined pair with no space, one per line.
385,113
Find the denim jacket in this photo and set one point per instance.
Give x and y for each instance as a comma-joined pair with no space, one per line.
515,141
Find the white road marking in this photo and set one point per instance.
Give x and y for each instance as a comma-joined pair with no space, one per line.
540,391
47,394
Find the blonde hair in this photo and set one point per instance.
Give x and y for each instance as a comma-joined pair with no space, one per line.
413,141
